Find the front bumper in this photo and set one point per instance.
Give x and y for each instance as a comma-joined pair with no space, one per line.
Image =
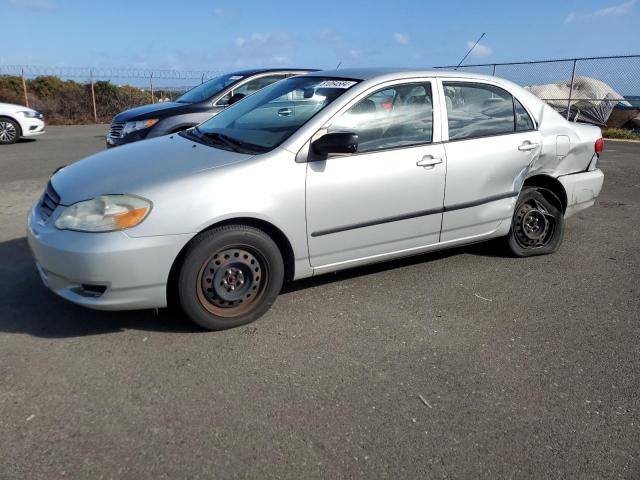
582,190
104,271
32,126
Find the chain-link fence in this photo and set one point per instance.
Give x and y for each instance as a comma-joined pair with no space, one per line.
83,95
604,90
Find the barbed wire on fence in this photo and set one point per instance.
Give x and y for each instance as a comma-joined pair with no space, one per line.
31,71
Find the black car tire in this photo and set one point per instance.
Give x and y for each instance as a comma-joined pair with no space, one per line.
10,131
229,276
537,226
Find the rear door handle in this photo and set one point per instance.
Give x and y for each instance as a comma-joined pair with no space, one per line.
285,112
526,146
429,161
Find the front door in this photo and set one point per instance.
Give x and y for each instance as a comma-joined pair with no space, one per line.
387,197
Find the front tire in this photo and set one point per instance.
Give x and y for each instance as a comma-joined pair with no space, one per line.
537,227
9,131
229,276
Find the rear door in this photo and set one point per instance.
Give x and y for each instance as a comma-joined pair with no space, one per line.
387,197
492,141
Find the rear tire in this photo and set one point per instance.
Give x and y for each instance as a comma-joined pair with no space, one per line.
229,276
9,131
537,226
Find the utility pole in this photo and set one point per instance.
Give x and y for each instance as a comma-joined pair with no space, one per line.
24,89
93,98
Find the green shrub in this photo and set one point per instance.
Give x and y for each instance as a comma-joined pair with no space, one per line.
620,133
66,102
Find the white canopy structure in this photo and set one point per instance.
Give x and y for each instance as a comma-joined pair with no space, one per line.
592,100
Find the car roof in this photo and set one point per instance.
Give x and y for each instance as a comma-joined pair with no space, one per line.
255,71
395,73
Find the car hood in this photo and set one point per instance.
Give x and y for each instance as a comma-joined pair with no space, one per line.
138,168
161,110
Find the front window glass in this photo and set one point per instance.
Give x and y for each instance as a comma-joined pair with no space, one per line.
394,117
478,110
209,89
264,120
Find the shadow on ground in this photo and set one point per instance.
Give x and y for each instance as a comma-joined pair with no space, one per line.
28,307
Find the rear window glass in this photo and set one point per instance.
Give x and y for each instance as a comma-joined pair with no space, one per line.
478,110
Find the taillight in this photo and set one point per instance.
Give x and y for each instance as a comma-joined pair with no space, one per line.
599,147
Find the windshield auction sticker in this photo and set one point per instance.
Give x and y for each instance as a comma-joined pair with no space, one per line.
336,84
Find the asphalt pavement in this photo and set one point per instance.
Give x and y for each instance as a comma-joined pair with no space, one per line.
461,364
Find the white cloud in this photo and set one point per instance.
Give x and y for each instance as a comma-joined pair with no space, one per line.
613,10
34,4
620,9
480,51
258,39
401,38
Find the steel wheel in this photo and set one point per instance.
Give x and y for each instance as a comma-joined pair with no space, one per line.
537,227
534,225
232,281
8,131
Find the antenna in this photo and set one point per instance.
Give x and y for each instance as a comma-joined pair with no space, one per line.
470,50
339,63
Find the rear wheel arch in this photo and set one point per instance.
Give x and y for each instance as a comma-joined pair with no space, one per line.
551,184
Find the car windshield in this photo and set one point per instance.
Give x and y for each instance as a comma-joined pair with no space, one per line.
264,120
209,88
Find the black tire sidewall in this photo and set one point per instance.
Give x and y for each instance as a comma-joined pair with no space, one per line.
202,248
541,195
16,126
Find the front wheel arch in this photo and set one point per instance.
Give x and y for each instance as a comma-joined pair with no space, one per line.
14,120
277,235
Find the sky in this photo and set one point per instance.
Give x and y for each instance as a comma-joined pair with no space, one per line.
219,35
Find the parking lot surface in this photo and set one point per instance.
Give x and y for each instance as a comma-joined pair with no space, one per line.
461,364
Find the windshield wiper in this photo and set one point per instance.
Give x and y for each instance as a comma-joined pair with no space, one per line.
207,139
221,138
235,142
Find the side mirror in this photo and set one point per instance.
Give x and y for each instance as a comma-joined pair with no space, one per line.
235,97
337,142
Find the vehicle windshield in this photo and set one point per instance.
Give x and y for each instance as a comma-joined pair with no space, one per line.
264,120
209,88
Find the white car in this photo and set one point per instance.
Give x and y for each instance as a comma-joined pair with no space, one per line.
17,121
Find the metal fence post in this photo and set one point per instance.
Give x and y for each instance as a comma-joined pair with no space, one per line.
24,89
153,100
93,97
494,69
573,78
202,79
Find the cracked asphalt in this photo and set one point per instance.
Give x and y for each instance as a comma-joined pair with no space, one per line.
528,368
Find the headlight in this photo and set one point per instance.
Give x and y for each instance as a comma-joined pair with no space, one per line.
140,125
104,214
31,114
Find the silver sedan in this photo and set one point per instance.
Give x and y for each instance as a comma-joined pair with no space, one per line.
312,174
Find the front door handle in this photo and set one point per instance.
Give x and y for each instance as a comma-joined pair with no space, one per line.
285,112
429,161
526,146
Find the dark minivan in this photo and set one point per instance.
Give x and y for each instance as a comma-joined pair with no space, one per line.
194,107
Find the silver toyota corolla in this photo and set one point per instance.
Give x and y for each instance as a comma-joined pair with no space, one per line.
312,174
